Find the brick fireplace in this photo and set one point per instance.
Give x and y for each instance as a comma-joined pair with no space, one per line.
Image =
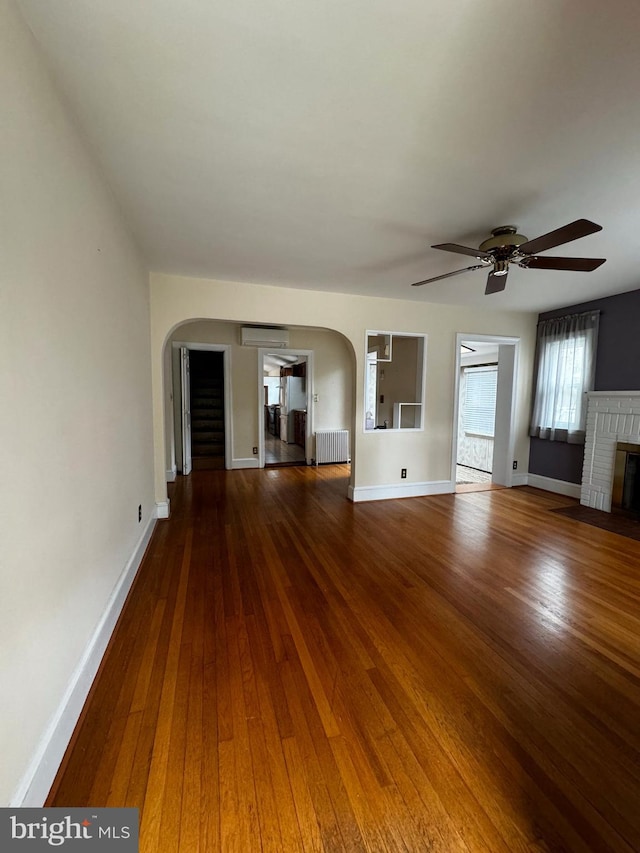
613,418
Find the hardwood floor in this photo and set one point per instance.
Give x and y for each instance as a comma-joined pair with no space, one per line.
296,672
277,452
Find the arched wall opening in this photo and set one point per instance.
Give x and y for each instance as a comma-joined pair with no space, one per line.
333,385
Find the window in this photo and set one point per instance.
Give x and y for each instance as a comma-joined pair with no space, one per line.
565,370
480,400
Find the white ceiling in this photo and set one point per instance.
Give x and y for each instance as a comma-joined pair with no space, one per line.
326,145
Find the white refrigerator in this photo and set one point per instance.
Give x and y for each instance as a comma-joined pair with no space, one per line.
293,395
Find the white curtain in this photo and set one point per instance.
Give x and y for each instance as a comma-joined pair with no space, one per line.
565,371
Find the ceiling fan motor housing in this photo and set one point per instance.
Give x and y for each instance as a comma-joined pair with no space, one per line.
503,241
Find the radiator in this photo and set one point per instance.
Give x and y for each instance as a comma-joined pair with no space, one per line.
332,445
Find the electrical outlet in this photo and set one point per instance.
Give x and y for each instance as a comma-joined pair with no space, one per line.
255,451
139,513
382,398
515,464
403,473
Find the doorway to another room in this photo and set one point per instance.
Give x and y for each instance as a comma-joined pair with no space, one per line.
478,382
207,409
285,409
485,390
200,403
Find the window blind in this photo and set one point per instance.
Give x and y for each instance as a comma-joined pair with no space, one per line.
480,400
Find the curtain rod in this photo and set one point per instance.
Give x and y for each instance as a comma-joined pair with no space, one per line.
571,316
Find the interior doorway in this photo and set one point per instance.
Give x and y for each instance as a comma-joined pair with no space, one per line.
285,400
206,371
201,394
485,391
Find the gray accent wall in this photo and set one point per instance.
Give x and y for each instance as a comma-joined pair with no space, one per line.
617,369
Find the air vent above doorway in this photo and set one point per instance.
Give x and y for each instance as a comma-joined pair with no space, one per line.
262,336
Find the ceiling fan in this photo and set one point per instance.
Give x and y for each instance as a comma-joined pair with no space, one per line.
506,246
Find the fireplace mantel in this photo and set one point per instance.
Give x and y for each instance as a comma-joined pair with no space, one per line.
629,394
612,417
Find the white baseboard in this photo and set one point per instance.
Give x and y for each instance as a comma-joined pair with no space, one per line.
38,778
171,474
520,480
249,462
400,490
560,487
163,508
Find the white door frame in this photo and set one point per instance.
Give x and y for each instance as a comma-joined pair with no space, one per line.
228,421
308,354
506,395
185,411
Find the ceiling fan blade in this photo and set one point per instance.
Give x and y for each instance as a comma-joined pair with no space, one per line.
572,231
447,275
495,283
577,264
462,250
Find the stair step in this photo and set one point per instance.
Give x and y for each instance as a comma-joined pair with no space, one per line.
206,400
208,449
207,435
203,384
208,411
198,423
207,415
207,389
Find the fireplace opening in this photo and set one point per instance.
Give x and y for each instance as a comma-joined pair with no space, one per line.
626,478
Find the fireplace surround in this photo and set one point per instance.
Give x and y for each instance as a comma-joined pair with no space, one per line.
613,418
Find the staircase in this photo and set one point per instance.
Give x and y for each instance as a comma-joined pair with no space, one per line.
207,409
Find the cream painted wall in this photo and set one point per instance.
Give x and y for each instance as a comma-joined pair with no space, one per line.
75,412
377,456
333,378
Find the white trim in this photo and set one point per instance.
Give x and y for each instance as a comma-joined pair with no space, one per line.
400,490
249,462
171,474
521,480
163,508
38,778
560,487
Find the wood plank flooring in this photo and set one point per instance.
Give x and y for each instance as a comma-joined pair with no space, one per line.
293,672
278,452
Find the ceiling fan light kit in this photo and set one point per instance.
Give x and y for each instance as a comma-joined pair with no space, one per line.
506,246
